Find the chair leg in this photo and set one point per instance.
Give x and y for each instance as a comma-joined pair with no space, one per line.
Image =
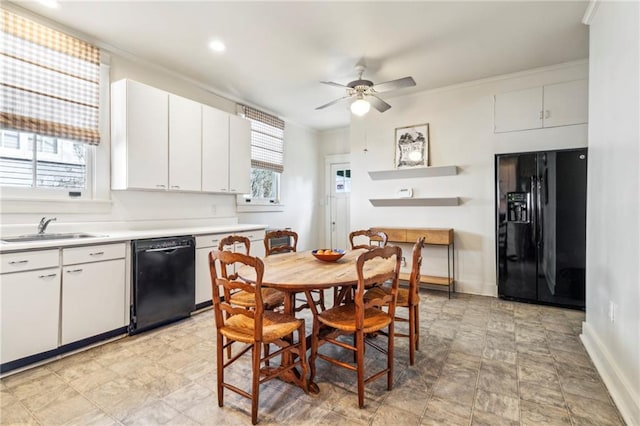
267,350
390,351
303,357
359,338
255,384
315,336
417,326
412,334
321,299
220,368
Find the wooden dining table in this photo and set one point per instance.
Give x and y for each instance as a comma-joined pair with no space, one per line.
301,272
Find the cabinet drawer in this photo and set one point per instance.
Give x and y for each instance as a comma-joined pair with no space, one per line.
210,240
431,236
87,254
28,260
257,235
393,235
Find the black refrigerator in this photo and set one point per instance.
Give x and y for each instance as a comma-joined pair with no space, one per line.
541,201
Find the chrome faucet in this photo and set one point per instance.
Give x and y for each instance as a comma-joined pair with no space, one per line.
44,222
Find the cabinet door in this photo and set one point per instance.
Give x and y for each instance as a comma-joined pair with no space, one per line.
147,136
215,150
185,143
239,155
93,299
519,110
566,103
30,306
203,275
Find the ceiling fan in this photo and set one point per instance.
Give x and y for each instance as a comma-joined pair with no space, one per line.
365,92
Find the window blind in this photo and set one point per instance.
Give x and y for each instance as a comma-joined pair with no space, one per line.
49,83
267,139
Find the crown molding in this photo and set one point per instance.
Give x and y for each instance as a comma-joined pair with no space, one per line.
592,7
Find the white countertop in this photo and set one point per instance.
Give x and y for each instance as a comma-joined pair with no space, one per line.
125,235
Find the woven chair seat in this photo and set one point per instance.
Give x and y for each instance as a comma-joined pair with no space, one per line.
274,326
343,318
379,292
270,297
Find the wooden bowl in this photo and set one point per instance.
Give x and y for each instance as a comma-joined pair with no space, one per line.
332,257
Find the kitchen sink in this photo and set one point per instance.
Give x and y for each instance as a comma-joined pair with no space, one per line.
47,237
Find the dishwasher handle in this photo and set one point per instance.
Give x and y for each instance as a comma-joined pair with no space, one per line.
167,249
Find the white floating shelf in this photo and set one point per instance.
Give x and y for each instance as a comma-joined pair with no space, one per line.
388,202
414,172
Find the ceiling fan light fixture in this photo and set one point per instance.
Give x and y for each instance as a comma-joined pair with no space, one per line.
217,46
360,107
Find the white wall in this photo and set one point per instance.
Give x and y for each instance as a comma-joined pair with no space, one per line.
613,214
301,189
461,134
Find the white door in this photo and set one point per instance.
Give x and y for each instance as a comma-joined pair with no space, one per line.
185,144
339,204
566,103
147,136
519,110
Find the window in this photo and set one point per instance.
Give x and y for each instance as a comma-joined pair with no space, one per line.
267,156
54,163
343,181
49,108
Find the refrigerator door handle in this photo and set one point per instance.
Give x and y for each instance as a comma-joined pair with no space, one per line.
534,210
538,214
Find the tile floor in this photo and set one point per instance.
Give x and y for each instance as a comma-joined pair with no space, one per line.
482,361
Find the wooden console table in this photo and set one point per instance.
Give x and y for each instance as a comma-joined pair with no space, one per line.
432,236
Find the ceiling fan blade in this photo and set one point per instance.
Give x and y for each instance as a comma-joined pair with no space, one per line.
378,103
333,102
394,84
331,83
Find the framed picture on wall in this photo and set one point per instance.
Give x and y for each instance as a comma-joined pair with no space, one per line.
412,146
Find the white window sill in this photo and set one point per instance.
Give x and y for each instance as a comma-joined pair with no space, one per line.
250,208
25,205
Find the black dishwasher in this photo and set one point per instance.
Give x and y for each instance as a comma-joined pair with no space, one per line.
163,285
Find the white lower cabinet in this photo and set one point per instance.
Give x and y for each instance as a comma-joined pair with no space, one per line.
29,306
206,243
93,291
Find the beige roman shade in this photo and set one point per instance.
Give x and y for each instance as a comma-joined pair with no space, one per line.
49,81
267,139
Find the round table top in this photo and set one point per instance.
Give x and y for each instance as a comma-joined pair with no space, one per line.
299,271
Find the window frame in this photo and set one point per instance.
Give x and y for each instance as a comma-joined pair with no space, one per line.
246,202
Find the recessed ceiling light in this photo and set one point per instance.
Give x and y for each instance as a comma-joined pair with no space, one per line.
217,46
52,4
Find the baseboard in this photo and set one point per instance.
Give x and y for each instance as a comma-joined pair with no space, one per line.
627,401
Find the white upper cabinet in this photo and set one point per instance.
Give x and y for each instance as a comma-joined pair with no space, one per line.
165,142
519,110
139,136
239,155
185,136
566,103
560,104
215,150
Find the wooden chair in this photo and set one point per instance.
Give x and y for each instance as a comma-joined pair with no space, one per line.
378,236
254,327
285,248
280,248
270,297
407,298
359,318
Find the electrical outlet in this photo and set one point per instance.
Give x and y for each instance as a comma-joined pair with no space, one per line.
213,209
